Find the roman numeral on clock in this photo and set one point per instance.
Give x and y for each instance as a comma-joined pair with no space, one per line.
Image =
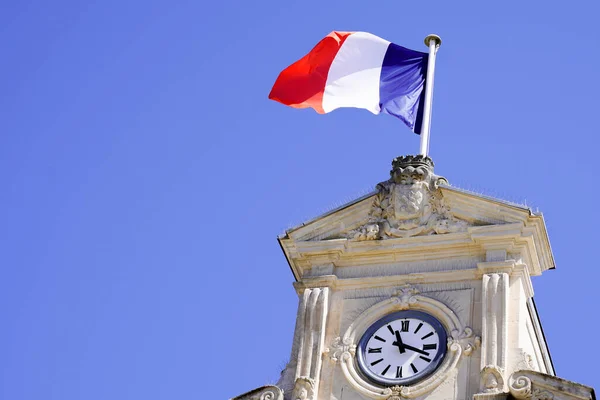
380,339
385,370
405,325
430,346
426,359
418,327
375,350
426,336
415,370
398,372
392,330
376,362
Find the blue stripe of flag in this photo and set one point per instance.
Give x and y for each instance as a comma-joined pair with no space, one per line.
402,85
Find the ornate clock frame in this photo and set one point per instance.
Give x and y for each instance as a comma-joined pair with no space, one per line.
461,342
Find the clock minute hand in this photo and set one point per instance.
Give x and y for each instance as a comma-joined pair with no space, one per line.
398,342
406,346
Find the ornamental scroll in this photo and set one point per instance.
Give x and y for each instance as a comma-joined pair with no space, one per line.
262,393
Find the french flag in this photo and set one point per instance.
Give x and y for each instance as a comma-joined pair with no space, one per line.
357,69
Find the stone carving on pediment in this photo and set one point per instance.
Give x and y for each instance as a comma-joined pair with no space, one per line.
409,204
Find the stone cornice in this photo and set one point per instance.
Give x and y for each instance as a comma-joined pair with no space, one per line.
531,385
386,281
515,238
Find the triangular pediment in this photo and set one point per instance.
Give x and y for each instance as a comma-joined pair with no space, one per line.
464,208
416,215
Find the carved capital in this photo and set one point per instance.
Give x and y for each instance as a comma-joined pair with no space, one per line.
304,389
466,341
492,379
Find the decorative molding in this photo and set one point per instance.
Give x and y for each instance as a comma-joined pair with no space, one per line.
304,389
461,342
305,256
495,267
262,393
396,393
466,340
526,392
329,281
492,380
408,204
405,296
539,394
491,396
520,387
340,348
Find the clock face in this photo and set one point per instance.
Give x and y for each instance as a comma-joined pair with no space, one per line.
402,348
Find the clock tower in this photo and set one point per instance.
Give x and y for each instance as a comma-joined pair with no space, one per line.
419,290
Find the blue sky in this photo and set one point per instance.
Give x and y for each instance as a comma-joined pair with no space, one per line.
145,177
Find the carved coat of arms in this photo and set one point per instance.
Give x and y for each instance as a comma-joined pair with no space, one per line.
409,204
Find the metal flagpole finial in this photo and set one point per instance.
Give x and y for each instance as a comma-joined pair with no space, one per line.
438,40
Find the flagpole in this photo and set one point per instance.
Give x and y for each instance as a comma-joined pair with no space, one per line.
433,42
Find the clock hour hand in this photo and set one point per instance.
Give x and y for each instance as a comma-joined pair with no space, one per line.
398,342
406,346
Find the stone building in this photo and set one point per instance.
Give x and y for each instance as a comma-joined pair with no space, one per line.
419,290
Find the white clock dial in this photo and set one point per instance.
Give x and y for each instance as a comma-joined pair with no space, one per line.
402,348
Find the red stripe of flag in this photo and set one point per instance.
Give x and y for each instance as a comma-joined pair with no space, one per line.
302,84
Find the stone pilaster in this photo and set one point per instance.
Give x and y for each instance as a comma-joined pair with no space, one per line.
494,324
312,314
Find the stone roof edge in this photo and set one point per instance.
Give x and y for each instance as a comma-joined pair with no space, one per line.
489,198
328,213
539,332
540,227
